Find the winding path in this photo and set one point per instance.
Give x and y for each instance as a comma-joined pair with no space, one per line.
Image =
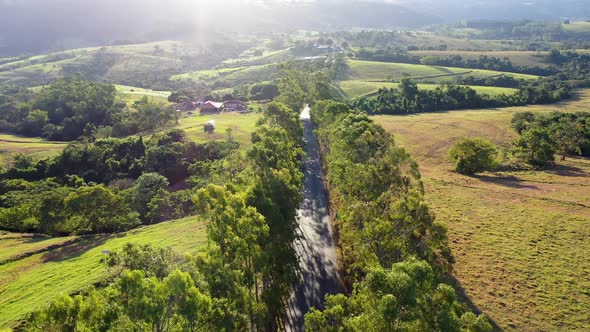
316,248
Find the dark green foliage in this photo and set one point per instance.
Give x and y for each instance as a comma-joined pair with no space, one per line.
61,187
473,155
262,91
405,297
535,147
407,99
543,135
72,108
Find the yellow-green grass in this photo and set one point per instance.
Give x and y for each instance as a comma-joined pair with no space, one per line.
30,282
130,94
578,27
520,238
242,126
233,76
126,89
39,148
15,245
360,88
518,58
377,71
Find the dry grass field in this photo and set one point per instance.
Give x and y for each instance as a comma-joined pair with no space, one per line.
520,238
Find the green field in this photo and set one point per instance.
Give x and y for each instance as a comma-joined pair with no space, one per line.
233,76
386,71
27,283
37,147
520,238
242,126
578,27
518,58
131,94
360,88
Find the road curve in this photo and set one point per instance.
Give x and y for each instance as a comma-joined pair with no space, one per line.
316,248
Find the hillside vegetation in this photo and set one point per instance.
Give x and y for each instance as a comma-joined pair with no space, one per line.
511,233
361,88
518,58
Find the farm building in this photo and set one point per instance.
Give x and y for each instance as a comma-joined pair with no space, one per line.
211,107
234,106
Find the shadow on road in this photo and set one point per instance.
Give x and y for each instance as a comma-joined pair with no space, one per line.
316,248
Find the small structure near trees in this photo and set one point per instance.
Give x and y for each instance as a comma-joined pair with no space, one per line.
209,128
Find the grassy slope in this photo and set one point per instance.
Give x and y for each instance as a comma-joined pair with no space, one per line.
131,61
359,88
520,239
518,58
28,283
375,71
579,27
233,76
37,147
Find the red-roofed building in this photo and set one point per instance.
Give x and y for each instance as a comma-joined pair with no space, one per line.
211,107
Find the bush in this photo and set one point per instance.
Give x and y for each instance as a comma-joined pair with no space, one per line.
473,155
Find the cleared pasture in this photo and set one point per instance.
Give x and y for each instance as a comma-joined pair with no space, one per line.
387,71
520,238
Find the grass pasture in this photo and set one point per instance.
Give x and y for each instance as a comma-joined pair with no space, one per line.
233,76
520,238
27,283
387,71
39,148
578,27
360,88
242,126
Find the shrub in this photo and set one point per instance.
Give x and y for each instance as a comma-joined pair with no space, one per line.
473,155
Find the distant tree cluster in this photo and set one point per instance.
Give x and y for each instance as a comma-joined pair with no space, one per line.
393,251
75,108
543,136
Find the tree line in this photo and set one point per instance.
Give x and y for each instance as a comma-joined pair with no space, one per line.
408,99
482,62
394,254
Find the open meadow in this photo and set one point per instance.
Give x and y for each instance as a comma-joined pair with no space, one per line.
242,125
387,71
34,270
38,148
520,238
